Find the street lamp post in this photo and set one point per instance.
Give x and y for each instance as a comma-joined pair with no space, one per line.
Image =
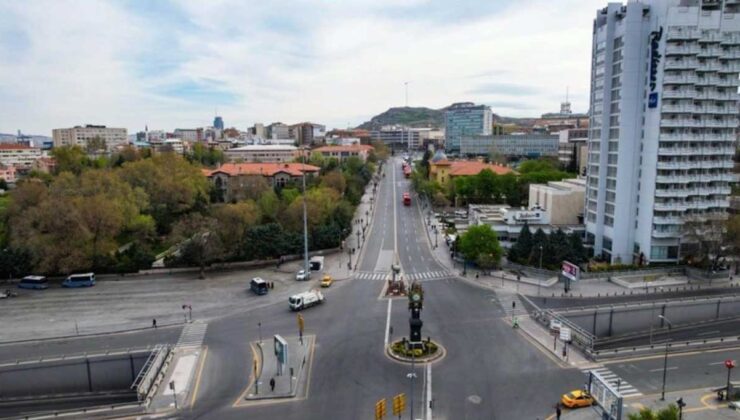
665,359
305,215
539,281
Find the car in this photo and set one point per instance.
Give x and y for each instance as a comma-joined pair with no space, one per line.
302,275
326,281
577,398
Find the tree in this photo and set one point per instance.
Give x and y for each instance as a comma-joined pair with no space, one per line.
69,159
440,200
522,248
480,240
485,186
732,235
704,241
173,185
424,164
334,180
539,239
199,243
233,220
381,150
668,413
96,144
271,241
269,205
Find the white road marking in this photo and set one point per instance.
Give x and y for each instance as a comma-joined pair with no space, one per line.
661,369
708,332
427,403
388,322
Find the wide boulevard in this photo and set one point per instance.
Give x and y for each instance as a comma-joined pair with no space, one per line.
490,370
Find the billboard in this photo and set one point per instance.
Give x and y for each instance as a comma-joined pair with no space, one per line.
570,270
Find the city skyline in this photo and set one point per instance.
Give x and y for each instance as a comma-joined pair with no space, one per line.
170,65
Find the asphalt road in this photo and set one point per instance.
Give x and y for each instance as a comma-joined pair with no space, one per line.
490,371
685,371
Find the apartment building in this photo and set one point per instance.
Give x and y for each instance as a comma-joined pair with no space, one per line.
664,82
18,155
113,138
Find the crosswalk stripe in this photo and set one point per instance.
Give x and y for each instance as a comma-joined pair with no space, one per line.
625,388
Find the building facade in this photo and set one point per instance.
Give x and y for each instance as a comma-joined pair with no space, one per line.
561,200
262,153
114,138
444,171
233,180
573,149
361,151
307,133
664,113
218,123
466,119
530,146
18,155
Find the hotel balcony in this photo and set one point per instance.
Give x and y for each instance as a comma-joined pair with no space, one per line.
667,220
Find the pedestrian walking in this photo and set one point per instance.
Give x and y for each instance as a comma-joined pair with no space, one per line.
272,384
513,304
154,323
558,411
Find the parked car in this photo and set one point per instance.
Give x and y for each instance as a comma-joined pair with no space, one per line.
577,398
302,275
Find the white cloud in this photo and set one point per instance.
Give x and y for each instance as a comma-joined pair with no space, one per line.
324,61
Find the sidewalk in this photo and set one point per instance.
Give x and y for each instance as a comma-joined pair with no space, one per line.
700,404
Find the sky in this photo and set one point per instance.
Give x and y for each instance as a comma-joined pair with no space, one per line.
174,64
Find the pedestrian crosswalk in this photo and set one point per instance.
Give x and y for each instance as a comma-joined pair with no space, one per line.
382,276
192,335
372,275
511,304
618,383
429,275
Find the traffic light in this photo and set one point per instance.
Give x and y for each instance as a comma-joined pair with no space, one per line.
399,404
380,409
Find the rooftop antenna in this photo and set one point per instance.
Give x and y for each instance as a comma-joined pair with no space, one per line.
406,85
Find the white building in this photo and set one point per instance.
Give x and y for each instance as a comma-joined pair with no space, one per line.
18,155
262,153
114,138
664,84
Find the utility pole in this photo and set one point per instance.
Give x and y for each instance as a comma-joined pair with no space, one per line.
665,359
406,85
305,214
539,281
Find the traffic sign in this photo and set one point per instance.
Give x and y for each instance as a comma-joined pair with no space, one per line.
565,333
729,363
380,409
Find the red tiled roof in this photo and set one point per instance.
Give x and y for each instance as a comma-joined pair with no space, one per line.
264,169
468,168
350,148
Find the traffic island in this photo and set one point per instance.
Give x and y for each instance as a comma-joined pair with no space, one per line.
281,369
421,352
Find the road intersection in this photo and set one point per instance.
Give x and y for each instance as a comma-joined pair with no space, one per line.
490,371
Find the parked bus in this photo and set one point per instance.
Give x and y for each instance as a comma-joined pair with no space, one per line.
34,282
406,199
258,286
79,280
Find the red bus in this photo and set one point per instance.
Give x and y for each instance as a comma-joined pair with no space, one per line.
407,171
406,199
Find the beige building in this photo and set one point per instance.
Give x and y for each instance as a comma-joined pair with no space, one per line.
18,155
262,153
341,153
562,200
114,138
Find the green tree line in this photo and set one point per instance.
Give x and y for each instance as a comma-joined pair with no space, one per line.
114,214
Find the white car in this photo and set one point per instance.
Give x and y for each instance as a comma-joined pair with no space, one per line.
555,325
302,275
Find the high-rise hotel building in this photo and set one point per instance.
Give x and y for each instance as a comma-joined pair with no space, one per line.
664,81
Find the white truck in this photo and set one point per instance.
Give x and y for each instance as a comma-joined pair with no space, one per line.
305,300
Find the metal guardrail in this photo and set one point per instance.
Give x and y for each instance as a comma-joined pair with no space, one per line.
76,356
675,346
150,370
649,303
580,337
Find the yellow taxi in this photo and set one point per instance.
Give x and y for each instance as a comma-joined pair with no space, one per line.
326,281
577,398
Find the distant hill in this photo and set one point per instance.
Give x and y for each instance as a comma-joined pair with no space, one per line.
422,117
418,117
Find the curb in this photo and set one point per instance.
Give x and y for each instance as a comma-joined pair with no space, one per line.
437,356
